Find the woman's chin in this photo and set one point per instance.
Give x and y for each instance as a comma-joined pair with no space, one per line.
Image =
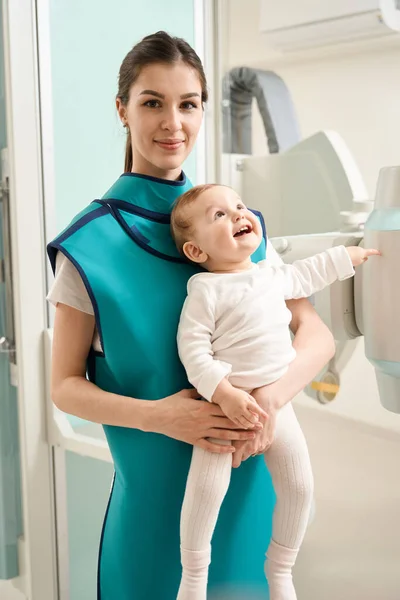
168,163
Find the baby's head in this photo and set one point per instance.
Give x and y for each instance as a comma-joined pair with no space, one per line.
211,226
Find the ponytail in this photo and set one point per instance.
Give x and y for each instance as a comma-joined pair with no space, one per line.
128,153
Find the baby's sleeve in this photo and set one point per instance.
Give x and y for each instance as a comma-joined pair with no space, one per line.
195,331
305,277
272,257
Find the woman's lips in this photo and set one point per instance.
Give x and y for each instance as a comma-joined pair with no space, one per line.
169,145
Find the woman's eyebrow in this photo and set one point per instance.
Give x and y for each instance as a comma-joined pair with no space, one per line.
162,96
152,93
190,95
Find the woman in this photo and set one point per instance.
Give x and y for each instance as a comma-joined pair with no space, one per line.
119,290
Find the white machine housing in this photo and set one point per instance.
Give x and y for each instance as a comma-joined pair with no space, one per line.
379,294
291,26
300,192
305,189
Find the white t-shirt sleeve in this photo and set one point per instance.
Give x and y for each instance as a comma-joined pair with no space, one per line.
305,277
68,287
196,327
272,257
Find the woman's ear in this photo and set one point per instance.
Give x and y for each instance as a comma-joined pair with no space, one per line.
121,109
194,253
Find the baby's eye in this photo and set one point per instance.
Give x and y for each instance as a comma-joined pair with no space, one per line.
219,214
240,207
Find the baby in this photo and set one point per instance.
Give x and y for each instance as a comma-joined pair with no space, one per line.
234,337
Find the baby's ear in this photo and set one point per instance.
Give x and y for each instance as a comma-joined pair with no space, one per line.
194,253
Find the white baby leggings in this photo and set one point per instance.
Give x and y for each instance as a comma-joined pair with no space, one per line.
288,462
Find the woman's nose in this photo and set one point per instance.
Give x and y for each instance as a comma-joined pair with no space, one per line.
172,121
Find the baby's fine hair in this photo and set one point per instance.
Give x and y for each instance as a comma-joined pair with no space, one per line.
181,226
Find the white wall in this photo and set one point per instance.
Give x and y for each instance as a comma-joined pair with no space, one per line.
8,592
355,91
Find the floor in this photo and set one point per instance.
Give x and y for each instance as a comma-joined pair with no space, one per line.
352,547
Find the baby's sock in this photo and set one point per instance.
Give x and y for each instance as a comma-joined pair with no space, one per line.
194,574
278,570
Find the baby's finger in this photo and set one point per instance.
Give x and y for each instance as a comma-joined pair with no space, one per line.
255,408
372,252
251,415
241,422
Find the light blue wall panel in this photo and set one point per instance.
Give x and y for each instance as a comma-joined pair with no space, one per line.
88,43
88,487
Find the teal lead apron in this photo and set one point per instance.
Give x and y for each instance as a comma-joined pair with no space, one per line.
136,280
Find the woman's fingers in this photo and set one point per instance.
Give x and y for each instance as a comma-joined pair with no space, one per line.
214,447
225,423
226,434
239,454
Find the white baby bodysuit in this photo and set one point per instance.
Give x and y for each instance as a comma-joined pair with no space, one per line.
236,325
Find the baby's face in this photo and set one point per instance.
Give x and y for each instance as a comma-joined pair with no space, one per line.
224,229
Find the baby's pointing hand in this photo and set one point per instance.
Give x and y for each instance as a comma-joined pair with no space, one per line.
360,255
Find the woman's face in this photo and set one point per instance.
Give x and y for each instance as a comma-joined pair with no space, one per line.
164,115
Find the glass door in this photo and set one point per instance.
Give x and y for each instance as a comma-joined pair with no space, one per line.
10,485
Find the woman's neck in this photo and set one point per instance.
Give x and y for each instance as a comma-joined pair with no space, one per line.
153,171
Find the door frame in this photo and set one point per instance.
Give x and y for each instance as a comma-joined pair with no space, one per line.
38,548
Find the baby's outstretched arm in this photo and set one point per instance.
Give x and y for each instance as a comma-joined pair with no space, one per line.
306,277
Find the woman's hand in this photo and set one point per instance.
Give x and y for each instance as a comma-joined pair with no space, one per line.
264,437
184,417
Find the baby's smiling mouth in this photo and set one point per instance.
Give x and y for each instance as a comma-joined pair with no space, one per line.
243,230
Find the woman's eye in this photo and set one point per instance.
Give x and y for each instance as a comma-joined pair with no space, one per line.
184,106
219,214
152,103
189,105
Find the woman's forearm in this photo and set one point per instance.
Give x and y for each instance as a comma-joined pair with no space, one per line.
77,396
314,345
180,416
